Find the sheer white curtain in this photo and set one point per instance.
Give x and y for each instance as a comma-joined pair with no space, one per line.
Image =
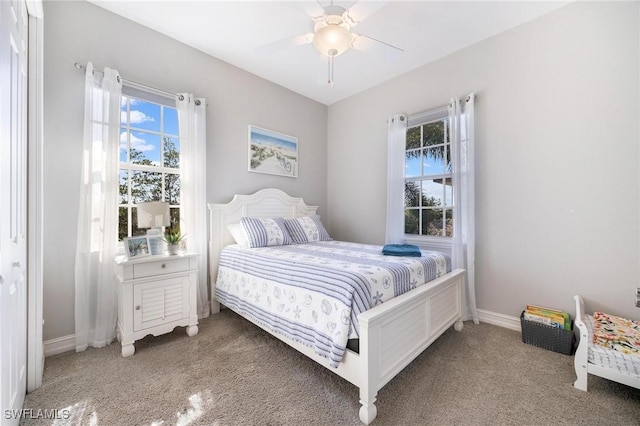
193,174
461,129
95,295
397,129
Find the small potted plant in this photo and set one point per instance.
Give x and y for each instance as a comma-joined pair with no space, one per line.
173,237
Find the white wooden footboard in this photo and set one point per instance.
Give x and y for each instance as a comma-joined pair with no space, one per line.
395,333
581,362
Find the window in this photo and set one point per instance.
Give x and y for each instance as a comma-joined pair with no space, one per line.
428,193
149,157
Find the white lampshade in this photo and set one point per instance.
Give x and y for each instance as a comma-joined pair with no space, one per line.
153,214
332,40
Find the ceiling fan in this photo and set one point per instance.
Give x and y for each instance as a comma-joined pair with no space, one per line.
332,35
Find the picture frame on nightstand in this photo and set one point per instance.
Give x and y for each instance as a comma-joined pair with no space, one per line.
137,247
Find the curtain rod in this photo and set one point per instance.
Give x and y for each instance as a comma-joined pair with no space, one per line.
140,85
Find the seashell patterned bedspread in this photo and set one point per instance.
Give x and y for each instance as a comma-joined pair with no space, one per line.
313,292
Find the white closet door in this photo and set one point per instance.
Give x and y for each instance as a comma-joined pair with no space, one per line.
13,212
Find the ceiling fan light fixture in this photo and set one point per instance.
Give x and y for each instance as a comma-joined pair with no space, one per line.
332,40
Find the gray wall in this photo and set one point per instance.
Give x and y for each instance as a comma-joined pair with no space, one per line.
557,136
557,147
81,32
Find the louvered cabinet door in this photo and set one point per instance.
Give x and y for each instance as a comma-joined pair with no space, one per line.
159,302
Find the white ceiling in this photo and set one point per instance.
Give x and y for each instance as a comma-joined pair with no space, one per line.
232,30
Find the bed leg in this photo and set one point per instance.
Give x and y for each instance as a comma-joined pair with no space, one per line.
458,325
215,306
368,411
581,381
580,362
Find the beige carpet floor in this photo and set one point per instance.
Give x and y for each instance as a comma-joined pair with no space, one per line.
233,373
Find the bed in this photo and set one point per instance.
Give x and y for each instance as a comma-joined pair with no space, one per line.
598,360
390,334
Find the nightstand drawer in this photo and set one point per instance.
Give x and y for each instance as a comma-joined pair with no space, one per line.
159,268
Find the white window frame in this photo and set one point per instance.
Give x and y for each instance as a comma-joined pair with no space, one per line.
442,243
163,101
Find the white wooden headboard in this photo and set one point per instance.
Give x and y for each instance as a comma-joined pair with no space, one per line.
269,202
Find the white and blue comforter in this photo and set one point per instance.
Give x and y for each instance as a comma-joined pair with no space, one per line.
312,293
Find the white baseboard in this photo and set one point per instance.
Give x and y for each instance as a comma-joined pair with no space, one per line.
59,345
500,320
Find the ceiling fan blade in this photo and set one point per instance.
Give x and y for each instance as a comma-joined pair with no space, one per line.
361,9
376,47
312,9
284,44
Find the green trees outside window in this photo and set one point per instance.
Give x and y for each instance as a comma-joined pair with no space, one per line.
149,161
428,198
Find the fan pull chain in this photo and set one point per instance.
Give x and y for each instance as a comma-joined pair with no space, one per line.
332,53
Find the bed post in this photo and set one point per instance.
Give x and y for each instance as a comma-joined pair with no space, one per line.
369,355
581,356
216,242
214,304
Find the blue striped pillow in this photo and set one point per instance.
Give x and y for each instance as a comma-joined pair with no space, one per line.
308,229
265,232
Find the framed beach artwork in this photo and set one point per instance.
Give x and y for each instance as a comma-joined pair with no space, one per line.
272,152
136,247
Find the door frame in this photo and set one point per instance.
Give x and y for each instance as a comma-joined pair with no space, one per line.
35,184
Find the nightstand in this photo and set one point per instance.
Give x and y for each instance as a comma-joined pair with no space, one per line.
155,295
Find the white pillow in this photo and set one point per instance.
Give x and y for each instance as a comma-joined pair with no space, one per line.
238,234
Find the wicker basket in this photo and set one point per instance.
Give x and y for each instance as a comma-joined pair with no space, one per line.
547,337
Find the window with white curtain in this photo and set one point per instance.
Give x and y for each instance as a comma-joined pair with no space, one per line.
428,186
149,157
439,185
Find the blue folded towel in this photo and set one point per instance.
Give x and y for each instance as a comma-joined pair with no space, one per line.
401,250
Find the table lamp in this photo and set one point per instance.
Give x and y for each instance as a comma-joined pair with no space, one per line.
153,215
